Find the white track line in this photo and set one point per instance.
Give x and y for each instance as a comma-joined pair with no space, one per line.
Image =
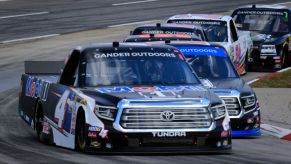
23,15
256,79
132,23
252,81
275,131
30,38
135,2
283,3
285,69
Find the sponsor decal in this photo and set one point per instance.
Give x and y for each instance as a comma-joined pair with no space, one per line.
249,12
198,22
225,123
167,32
224,134
103,133
36,88
65,112
133,54
92,134
201,50
169,134
45,127
151,89
94,128
95,144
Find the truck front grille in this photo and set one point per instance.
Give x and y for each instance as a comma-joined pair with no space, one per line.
232,105
163,118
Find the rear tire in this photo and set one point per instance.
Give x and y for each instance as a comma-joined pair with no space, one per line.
38,120
81,132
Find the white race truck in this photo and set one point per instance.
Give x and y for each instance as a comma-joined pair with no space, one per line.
222,30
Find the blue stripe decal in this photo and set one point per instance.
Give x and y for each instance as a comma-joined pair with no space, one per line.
246,133
202,50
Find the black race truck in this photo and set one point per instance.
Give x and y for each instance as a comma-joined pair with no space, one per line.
125,97
270,27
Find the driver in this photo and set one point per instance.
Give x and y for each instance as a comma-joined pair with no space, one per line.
153,71
221,34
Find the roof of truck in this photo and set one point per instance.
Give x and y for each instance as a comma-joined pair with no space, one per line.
213,17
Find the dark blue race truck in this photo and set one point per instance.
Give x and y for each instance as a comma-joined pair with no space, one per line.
270,27
125,97
214,67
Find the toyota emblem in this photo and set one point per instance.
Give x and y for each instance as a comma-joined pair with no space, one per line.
167,116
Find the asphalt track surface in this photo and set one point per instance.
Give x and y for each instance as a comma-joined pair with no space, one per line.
18,142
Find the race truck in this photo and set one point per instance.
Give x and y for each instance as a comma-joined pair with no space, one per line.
222,30
195,31
159,37
270,29
124,97
213,66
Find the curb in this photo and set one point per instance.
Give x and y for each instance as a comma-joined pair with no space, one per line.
268,75
284,134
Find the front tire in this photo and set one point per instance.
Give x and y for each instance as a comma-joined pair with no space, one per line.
81,132
284,58
283,63
246,66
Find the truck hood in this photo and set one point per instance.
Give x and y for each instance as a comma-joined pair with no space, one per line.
110,96
261,38
237,84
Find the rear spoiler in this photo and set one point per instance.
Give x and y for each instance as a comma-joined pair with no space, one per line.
43,67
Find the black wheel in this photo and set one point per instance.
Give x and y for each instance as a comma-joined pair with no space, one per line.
284,58
38,120
81,132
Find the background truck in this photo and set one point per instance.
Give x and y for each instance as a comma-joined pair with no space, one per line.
270,27
222,30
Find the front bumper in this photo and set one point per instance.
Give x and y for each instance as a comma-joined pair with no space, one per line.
246,126
246,133
116,141
257,60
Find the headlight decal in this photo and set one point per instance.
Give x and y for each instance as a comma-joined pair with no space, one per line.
105,112
249,102
218,111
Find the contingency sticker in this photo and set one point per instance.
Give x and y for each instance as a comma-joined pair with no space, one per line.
202,50
134,54
151,89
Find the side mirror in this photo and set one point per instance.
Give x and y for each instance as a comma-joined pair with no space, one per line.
130,32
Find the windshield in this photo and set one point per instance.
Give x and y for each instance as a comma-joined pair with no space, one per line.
195,32
209,62
137,68
263,21
216,31
212,67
